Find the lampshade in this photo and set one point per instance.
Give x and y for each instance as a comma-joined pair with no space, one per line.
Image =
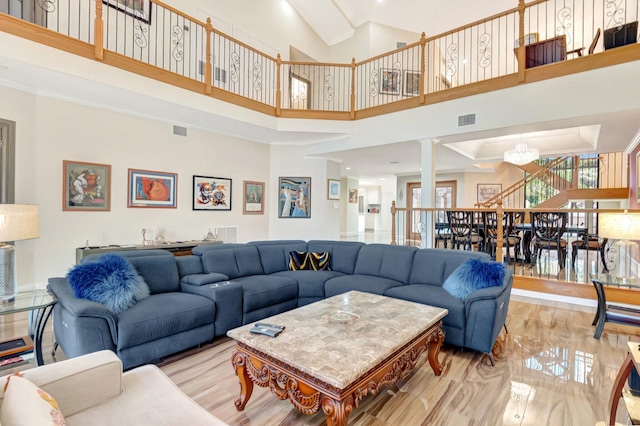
622,227
18,222
619,226
521,154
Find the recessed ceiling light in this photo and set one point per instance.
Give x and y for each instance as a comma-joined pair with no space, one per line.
394,162
381,179
347,168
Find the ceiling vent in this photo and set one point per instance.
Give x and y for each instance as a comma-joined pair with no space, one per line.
466,120
179,130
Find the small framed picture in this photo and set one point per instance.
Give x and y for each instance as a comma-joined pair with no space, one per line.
353,195
152,189
295,197
411,86
333,189
138,9
253,198
487,191
86,186
389,81
211,193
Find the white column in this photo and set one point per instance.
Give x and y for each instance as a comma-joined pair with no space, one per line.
428,187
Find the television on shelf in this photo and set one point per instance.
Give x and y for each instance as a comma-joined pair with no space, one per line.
621,35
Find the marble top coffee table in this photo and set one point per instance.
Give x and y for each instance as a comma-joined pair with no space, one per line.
334,352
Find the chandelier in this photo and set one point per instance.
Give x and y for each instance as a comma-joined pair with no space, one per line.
521,154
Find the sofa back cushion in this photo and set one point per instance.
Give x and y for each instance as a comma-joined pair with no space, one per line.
385,260
274,255
158,268
344,254
433,266
234,261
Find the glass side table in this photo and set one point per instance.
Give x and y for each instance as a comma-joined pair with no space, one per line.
39,303
613,313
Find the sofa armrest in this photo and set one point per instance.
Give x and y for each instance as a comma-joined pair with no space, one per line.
78,383
79,308
228,298
486,313
204,279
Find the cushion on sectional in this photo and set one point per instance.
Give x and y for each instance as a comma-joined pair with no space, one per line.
365,283
319,261
110,281
309,261
344,254
473,275
26,404
163,315
298,261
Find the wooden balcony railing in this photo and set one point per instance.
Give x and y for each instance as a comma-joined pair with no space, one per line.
565,179
579,251
504,50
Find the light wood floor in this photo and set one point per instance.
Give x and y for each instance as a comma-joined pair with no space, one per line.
550,371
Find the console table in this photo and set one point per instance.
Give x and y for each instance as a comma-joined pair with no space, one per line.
180,248
612,313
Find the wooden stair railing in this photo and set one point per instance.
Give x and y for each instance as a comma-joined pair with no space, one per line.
543,174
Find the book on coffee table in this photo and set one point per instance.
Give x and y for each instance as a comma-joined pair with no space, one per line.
270,330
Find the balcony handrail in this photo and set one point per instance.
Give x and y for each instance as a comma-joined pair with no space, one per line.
521,183
362,86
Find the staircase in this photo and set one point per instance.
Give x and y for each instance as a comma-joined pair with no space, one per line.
553,183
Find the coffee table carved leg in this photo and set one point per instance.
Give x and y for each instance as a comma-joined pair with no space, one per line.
240,361
337,412
435,343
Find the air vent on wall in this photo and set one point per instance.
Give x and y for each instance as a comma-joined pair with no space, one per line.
400,44
179,130
466,120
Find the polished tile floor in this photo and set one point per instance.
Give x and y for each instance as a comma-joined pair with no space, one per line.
549,371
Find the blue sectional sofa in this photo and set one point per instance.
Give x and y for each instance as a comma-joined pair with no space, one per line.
219,287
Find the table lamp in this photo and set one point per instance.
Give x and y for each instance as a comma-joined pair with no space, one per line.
17,222
625,229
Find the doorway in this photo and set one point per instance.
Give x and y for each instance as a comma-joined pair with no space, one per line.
445,195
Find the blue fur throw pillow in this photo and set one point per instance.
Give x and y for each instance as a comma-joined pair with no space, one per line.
111,281
473,275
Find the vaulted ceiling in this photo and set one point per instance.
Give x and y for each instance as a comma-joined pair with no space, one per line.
336,20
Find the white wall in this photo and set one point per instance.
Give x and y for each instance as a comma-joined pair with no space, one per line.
49,131
324,222
270,23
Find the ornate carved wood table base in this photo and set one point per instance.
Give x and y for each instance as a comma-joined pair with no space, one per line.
335,352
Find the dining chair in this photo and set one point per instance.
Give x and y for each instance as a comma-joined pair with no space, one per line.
548,229
510,239
467,230
588,242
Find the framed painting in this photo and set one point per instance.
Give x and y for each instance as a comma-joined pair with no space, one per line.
333,189
211,193
86,186
411,85
138,9
294,199
253,200
389,81
353,195
487,191
152,189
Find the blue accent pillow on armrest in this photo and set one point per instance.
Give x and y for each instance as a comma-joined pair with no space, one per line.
473,275
110,281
